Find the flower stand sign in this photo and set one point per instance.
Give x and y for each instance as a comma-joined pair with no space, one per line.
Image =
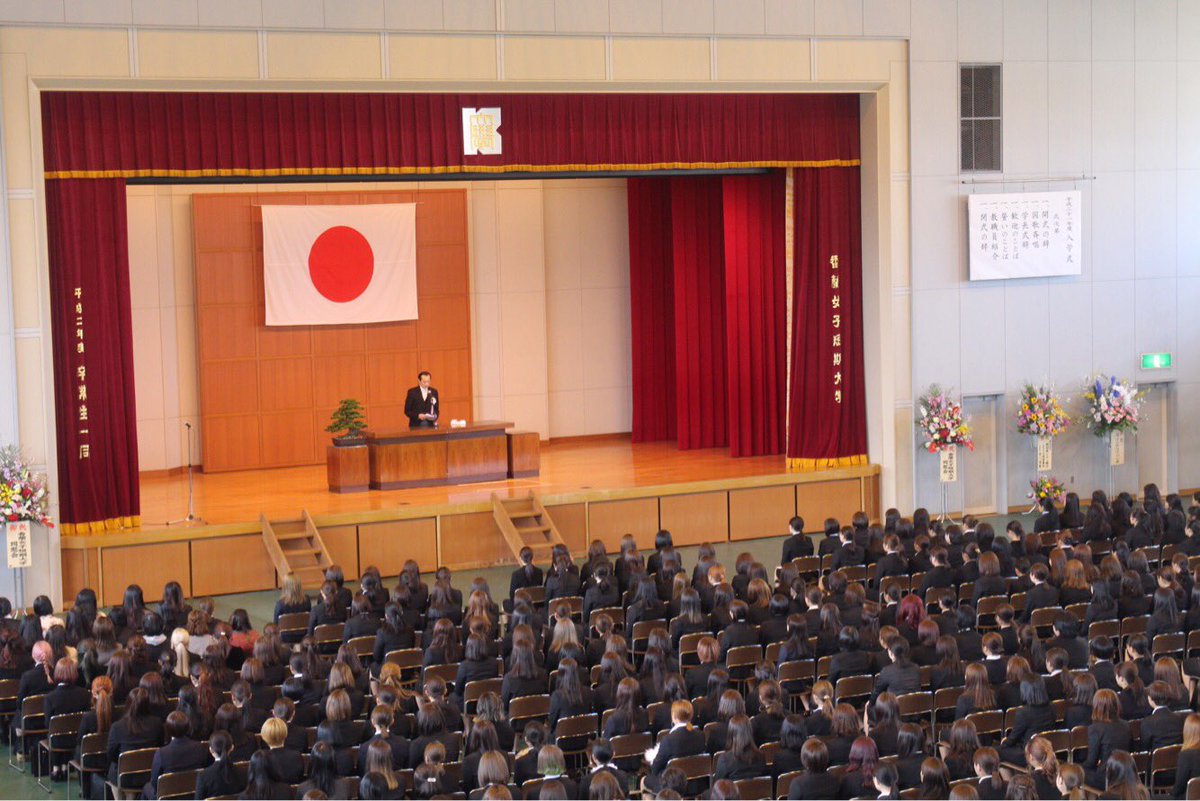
20,549
1045,454
1116,448
1113,408
948,465
24,502
940,421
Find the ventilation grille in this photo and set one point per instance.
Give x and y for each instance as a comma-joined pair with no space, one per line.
980,102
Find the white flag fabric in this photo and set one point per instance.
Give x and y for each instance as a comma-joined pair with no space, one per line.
340,265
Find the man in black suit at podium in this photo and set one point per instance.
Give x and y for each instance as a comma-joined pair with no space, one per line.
421,404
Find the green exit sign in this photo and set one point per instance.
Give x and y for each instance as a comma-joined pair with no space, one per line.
1156,361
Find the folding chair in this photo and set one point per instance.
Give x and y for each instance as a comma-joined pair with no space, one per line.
575,604
526,708
475,689
30,723
9,689
698,768
916,707
740,662
853,687
807,566
409,660
758,787
178,785
688,645
1131,626
447,673
1079,743
61,734
1162,760
988,723
363,647
630,748
1168,645
615,612
824,665
903,582
1193,789
784,784
133,771
572,736
294,624
771,652
986,611
329,637
91,758
640,637
1105,628
1043,619
1078,611
1060,739
945,700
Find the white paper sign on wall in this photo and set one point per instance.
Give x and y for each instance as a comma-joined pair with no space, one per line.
1024,235
481,131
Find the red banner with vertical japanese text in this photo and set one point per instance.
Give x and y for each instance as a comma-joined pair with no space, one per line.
827,424
93,355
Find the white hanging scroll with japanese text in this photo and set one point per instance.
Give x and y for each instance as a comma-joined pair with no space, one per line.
1024,235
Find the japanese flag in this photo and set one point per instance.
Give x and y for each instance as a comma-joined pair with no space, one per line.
339,265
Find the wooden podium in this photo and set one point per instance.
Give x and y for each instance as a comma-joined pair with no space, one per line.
347,468
426,457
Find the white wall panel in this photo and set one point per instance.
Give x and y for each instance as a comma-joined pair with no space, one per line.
1156,119
1025,118
839,17
1154,236
1155,36
934,112
981,340
938,225
1025,30
1112,30
981,32
1112,225
1070,341
886,18
935,324
1187,213
1069,30
1113,108
934,30
1113,330
1069,112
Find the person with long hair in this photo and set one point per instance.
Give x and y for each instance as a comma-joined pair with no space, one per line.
987,769
772,706
959,750
628,714
1070,782
1079,702
97,720
741,759
443,648
1034,716
571,695
816,781
219,778
886,782
1107,734
820,720
523,676
261,783
137,728
858,778
1165,619
1043,766
1122,779
1134,704
323,773
935,780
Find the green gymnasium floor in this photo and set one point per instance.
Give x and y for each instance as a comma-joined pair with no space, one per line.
260,605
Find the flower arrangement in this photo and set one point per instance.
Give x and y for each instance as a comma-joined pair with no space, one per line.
1045,487
1113,405
941,421
23,493
1041,412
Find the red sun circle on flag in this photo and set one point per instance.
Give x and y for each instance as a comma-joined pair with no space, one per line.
341,263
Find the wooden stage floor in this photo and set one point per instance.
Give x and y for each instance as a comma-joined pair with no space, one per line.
590,465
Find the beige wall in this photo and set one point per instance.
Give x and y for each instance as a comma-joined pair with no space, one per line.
627,45
550,307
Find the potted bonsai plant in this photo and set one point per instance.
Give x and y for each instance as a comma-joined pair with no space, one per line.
347,417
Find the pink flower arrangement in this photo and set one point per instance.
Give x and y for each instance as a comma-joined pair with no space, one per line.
1045,487
1113,405
23,493
1041,413
941,422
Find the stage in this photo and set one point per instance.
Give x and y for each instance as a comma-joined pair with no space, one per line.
594,488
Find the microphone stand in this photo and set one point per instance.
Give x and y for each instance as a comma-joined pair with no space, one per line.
191,518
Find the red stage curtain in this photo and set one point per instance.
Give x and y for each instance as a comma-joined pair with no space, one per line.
93,355
827,348
86,134
652,309
755,299
698,252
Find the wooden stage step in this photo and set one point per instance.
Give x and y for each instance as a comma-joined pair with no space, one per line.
535,530
295,546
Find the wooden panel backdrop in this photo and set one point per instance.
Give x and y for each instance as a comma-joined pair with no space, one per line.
266,393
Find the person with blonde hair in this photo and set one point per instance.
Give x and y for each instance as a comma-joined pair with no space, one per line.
180,645
287,765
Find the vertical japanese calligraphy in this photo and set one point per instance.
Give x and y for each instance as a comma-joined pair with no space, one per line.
835,320
1024,235
81,392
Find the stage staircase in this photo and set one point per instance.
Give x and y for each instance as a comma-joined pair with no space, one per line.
525,522
295,546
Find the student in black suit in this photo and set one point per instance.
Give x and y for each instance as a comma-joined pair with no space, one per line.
1066,636
1043,594
181,753
1107,733
477,664
286,764
1102,667
137,728
989,581
849,553
1048,520
600,754
832,539
66,697
796,545
1189,756
684,739
39,679
260,782
1033,717
527,575
941,574
1079,702
219,778
421,403
850,660
816,781
892,563
1162,726
901,676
